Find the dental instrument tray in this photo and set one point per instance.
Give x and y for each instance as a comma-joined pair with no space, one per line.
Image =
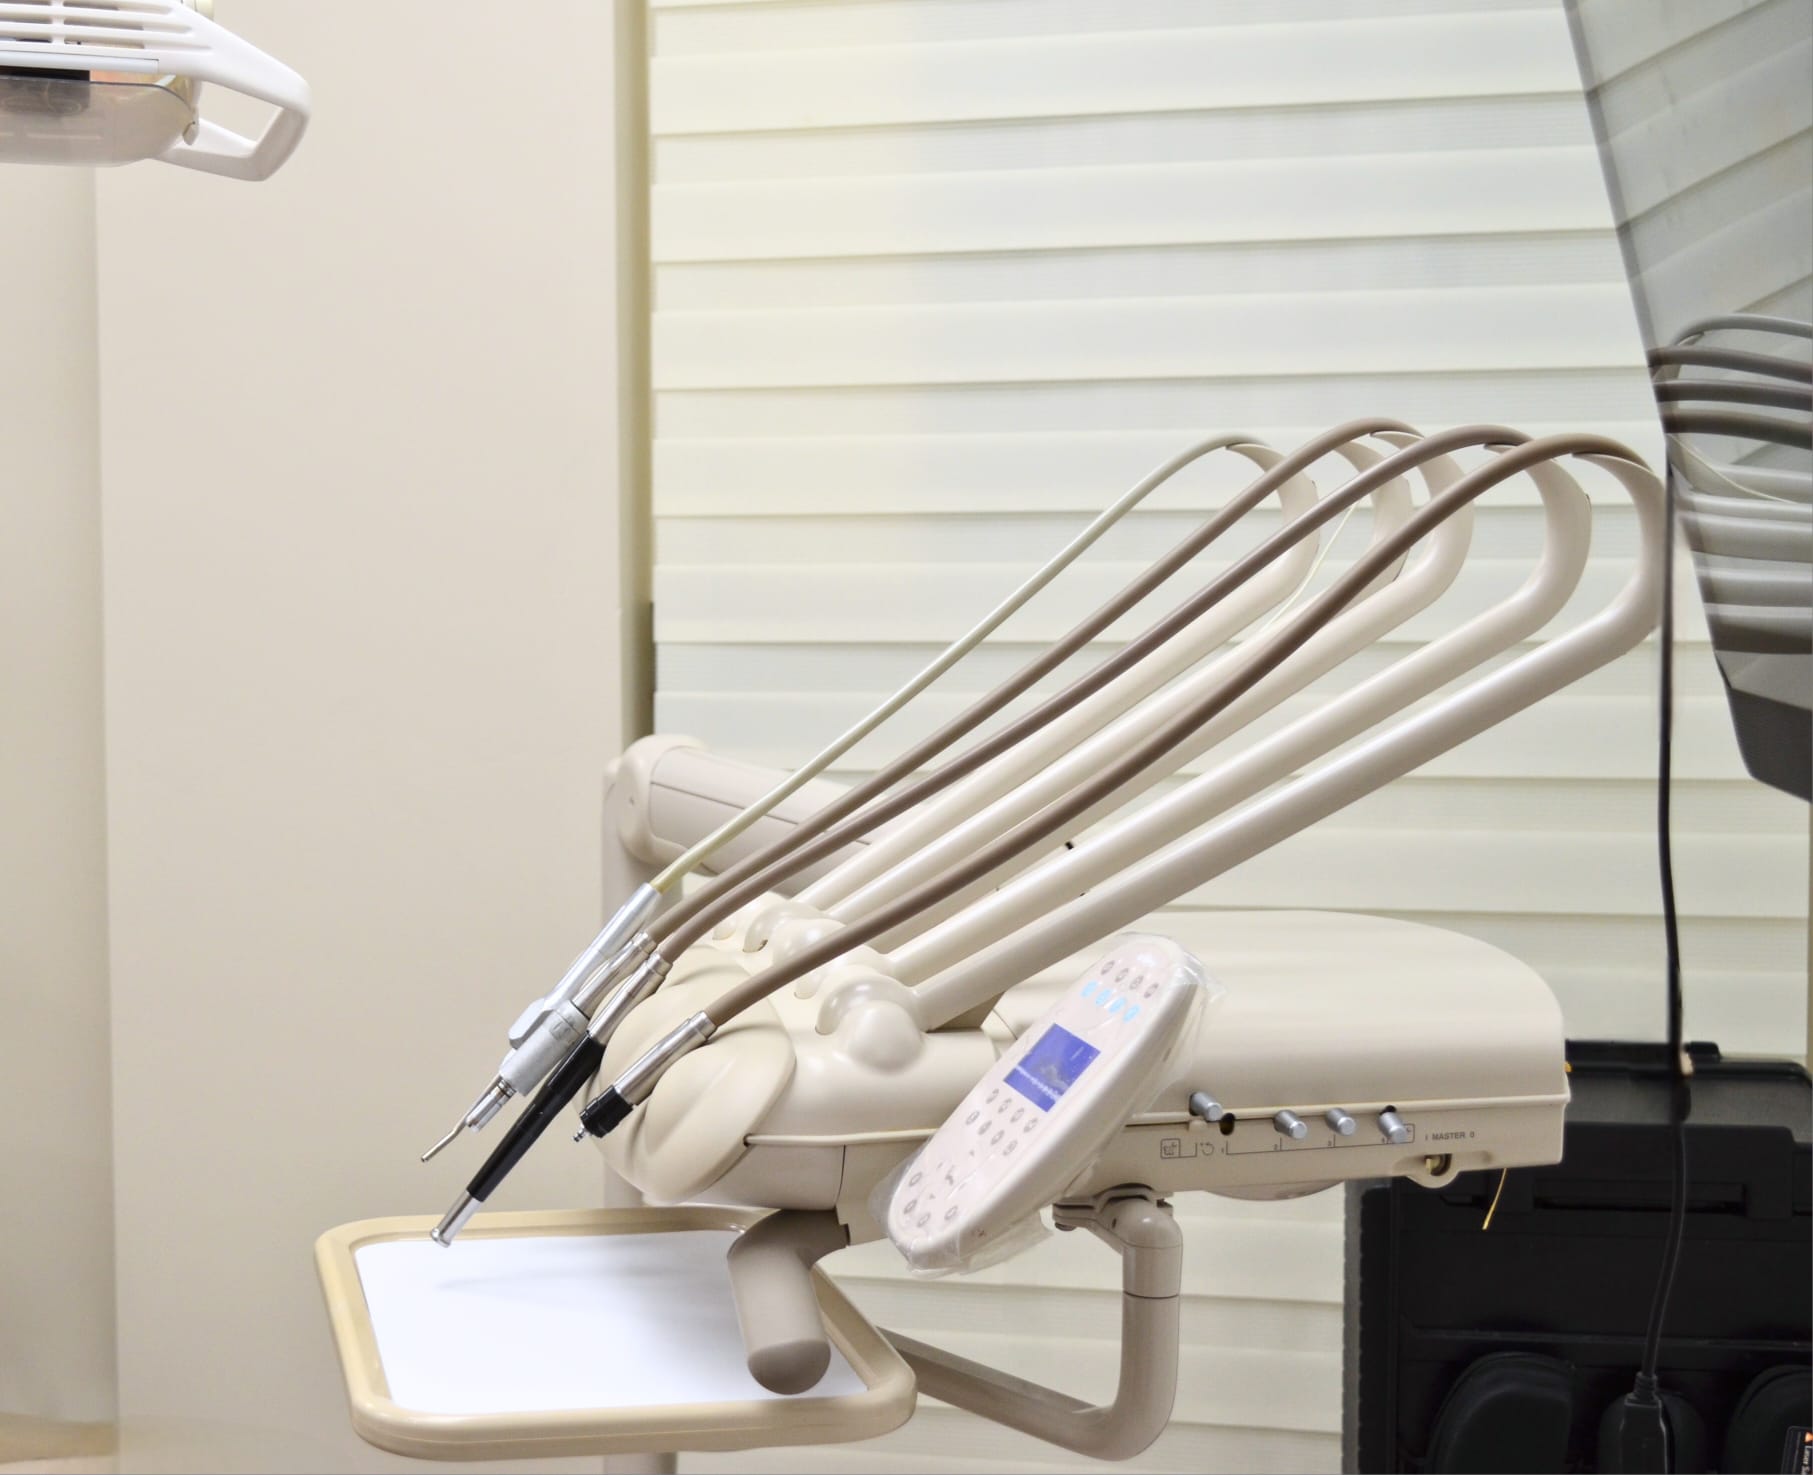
576,1333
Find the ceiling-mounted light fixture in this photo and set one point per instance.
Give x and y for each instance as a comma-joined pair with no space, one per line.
102,82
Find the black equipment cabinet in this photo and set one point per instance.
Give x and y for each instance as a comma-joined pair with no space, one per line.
1567,1269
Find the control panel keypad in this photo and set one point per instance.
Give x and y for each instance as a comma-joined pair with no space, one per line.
1041,1113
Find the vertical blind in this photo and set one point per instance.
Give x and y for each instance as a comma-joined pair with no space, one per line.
934,279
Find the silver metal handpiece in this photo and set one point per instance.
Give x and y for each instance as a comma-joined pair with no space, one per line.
637,1083
637,987
551,1024
454,1220
628,921
490,1101
458,1127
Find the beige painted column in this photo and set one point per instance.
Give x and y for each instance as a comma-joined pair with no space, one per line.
359,431
56,1218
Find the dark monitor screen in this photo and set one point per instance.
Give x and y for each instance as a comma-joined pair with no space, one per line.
1704,117
1051,1067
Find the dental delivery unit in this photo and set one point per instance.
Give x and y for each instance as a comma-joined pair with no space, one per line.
913,1007
929,1007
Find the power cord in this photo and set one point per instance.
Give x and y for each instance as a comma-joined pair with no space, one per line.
1644,1441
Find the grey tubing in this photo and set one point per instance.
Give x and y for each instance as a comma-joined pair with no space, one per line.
1746,322
1276,649
1736,391
1731,358
687,922
777,1302
1735,423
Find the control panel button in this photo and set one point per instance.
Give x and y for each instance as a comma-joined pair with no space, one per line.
1206,1106
1391,1125
1030,1124
1291,1125
1339,1121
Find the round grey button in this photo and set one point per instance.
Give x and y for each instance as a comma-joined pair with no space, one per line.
1291,1125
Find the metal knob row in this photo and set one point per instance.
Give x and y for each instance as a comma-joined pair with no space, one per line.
1289,1124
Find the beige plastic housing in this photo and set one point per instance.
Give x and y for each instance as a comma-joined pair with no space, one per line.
886,1403
675,786
1317,1012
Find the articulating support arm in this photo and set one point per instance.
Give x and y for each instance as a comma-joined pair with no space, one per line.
1134,1222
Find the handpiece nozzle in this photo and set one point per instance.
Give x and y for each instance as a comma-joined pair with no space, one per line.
434,1151
490,1101
454,1220
605,1111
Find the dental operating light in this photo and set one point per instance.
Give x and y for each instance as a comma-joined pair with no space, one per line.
108,82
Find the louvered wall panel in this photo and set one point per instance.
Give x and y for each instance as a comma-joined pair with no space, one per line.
933,280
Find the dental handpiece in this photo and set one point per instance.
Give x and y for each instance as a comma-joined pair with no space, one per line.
551,1024
795,852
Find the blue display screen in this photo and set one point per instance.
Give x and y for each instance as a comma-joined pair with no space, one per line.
1050,1067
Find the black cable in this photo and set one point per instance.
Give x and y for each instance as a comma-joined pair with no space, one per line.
1645,1401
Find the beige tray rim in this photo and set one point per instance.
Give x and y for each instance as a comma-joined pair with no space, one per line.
886,1404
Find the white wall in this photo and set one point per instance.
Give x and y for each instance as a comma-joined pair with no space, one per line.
934,281
362,679
56,1222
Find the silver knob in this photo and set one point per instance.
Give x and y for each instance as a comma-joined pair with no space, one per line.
1206,1106
1291,1125
1396,1133
1339,1120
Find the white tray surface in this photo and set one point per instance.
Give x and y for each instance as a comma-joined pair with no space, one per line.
548,1322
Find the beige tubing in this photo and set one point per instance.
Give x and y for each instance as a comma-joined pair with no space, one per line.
697,854
1369,619
1213,631
1567,527
694,916
836,894
1274,649
1160,879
